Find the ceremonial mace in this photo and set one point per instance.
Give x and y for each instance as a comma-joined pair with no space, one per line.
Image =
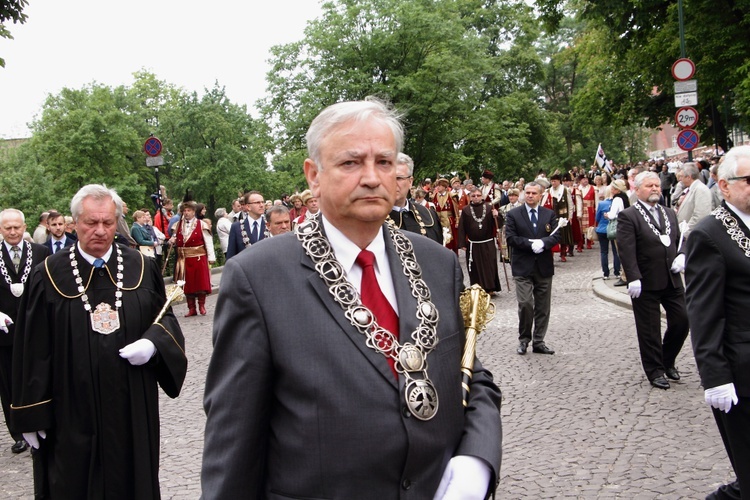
175,293
477,311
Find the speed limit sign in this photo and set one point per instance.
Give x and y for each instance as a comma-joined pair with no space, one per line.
686,117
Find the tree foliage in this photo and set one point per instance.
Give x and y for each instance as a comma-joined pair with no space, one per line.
11,10
463,72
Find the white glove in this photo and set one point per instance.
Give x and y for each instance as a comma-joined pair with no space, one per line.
721,397
5,322
562,222
464,478
634,289
139,352
678,264
32,439
684,226
537,246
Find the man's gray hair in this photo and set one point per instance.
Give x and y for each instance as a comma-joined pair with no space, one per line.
220,212
12,211
640,178
405,159
337,114
728,167
690,169
276,209
97,192
534,184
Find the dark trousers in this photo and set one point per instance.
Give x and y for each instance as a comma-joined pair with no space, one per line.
604,244
734,428
534,294
667,197
658,354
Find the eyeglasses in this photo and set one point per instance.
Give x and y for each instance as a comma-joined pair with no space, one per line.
745,178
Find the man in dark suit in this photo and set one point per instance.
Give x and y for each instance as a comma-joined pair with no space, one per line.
17,260
408,215
531,233
330,398
647,239
249,230
718,295
58,238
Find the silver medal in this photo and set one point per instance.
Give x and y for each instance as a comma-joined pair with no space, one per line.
421,399
104,319
16,289
665,239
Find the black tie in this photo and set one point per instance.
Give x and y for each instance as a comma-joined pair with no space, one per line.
58,244
254,233
533,219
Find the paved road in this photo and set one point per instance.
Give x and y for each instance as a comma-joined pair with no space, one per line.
583,423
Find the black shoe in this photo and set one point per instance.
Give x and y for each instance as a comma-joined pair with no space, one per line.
660,382
620,282
522,348
19,447
542,349
672,373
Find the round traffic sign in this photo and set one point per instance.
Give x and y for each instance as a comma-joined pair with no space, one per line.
152,146
688,139
683,69
686,117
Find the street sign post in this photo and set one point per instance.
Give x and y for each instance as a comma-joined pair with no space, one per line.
152,146
686,117
688,139
683,69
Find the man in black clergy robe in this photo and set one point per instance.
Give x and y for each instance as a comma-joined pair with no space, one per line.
16,262
88,359
717,274
476,234
408,215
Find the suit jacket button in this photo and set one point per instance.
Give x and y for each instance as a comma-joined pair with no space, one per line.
406,484
405,412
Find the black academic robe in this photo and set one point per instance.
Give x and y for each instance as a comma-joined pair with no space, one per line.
480,244
407,221
101,414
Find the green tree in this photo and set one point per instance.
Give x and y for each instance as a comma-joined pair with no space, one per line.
214,148
640,41
11,10
462,81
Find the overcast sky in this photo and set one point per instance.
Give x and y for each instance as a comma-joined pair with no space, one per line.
188,43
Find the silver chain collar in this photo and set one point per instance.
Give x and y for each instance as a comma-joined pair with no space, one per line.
667,225
104,319
733,229
484,214
15,289
245,237
409,359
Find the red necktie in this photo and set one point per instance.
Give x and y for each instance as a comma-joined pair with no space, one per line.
375,301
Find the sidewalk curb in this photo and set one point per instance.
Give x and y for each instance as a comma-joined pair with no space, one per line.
607,292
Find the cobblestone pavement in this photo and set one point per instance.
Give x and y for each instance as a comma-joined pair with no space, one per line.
584,423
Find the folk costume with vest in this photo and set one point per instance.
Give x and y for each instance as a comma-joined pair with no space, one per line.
447,212
194,251
588,216
563,204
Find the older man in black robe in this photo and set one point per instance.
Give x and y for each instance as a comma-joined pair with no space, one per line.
477,230
90,355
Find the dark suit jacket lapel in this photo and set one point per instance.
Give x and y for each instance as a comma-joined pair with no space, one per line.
9,261
378,361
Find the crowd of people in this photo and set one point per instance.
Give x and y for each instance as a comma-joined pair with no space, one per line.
375,286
